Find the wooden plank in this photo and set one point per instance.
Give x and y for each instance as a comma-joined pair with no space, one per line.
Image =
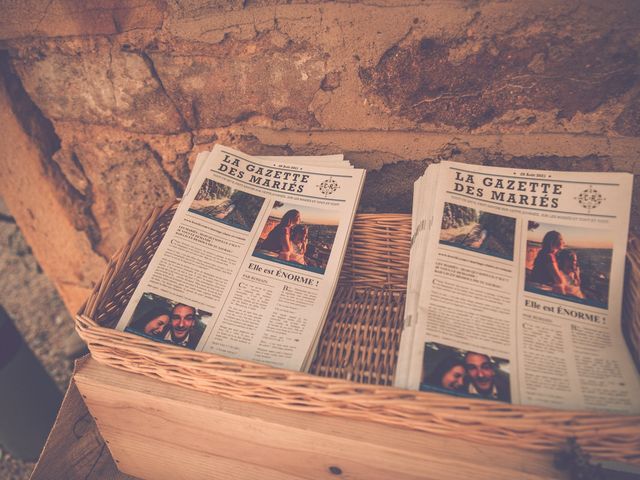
75,450
156,431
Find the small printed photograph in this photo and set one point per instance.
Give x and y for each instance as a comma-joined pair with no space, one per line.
219,202
298,236
570,263
168,321
465,373
483,232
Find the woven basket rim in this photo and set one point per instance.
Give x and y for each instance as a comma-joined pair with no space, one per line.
334,396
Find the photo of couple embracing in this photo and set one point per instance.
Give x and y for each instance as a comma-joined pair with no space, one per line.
570,263
298,236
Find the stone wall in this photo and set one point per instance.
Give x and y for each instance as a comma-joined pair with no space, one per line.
105,103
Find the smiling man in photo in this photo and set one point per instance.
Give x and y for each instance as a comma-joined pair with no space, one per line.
184,328
486,382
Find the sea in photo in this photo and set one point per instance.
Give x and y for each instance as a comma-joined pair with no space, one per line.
222,203
475,230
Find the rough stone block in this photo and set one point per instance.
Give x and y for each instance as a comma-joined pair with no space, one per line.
126,181
421,81
40,201
94,82
33,18
628,123
236,80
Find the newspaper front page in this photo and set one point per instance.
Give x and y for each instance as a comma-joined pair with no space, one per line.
520,295
249,263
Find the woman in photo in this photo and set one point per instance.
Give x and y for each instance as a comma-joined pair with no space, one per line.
299,240
450,374
545,267
154,322
570,273
279,239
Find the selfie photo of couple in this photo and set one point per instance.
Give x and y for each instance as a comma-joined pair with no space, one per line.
569,263
465,373
165,320
298,236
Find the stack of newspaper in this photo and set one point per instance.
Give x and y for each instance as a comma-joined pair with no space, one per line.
515,288
250,261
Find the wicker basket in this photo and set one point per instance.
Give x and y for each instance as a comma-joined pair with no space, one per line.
359,343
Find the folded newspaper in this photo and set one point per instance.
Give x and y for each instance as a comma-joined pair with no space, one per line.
250,261
515,288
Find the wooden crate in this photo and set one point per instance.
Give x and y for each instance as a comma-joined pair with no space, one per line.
157,431
75,450
168,412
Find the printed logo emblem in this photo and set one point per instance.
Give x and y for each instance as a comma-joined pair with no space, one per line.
590,198
328,187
